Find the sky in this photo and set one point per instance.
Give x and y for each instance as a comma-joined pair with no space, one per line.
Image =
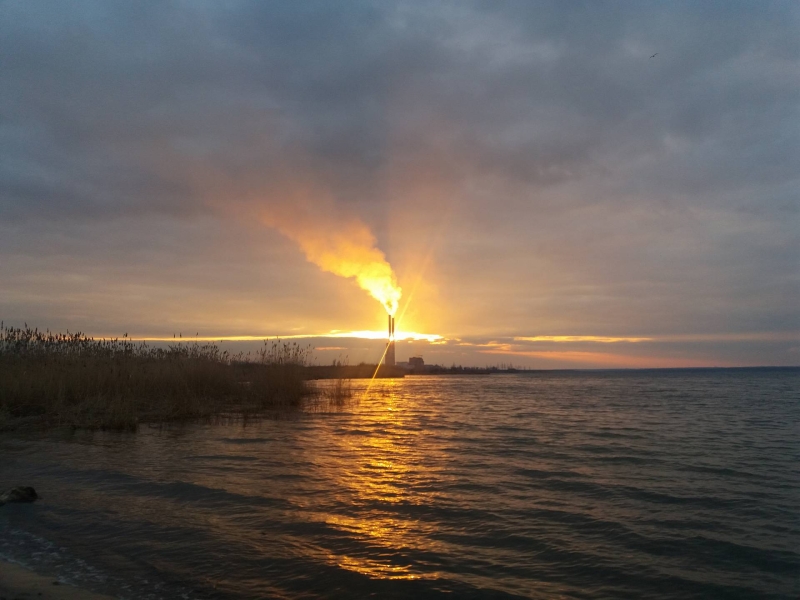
553,184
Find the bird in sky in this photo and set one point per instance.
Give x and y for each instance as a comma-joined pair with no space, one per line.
654,55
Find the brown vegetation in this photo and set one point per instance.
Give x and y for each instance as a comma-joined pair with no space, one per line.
73,380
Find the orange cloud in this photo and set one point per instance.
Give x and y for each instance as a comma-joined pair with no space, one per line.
582,338
602,359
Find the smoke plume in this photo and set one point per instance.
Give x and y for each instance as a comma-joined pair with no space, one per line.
344,247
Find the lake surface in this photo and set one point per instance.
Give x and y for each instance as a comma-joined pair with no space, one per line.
656,484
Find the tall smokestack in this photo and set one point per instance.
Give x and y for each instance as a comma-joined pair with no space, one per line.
389,359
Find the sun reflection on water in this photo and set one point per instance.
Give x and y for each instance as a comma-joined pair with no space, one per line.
379,472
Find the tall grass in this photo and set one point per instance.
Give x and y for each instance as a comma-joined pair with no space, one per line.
78,381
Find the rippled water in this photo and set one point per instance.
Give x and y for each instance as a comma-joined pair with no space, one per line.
671,484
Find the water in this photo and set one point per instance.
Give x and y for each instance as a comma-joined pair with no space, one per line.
671,484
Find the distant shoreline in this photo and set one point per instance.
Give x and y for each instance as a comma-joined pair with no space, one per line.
17,581
369,371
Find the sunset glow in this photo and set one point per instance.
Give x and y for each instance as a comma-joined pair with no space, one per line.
363,334
399,300
523,184
581,338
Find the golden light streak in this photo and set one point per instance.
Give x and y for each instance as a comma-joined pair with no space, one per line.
425,262
377,368
381,335
582,338
363,334
439,339
757,336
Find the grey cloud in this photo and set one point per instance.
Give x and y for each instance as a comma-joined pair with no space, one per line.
528,92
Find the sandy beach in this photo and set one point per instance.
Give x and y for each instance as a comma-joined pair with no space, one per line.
18,583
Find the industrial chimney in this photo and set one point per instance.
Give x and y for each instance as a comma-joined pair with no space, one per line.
389,359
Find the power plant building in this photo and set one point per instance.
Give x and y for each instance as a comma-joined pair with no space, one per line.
416,362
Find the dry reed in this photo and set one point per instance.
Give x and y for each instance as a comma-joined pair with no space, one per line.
69,379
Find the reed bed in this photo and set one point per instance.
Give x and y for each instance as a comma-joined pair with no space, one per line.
70,379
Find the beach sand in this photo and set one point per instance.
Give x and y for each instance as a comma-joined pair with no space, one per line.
18,583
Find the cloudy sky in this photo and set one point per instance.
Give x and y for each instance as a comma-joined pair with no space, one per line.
546,192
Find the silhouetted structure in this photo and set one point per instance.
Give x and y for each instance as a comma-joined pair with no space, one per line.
389,358
416,362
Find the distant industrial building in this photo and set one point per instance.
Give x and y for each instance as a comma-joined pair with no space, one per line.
416,362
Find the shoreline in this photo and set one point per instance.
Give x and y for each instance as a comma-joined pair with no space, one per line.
17,581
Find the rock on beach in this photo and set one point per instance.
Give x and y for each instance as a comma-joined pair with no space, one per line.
18,494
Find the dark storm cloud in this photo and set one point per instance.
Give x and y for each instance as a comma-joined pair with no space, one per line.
636,188
97,95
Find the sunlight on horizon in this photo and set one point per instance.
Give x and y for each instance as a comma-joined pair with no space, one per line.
365,334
